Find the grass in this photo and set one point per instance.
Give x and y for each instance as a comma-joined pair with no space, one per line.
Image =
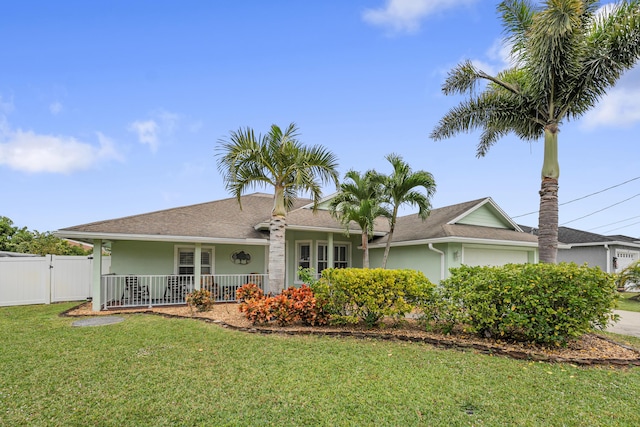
626,303
154,371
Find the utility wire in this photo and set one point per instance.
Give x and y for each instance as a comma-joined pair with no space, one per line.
583,197
625,226
600,210
617,222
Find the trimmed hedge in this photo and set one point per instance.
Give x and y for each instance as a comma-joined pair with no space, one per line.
543,303
351,295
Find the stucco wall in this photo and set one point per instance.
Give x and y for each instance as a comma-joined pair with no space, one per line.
595,256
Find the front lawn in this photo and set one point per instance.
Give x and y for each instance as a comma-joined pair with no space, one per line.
155,371
625,302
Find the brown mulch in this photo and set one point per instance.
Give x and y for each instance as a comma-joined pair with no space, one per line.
591,349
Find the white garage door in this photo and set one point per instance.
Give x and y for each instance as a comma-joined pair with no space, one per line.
473,256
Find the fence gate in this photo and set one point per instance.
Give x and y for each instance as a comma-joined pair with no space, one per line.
42,280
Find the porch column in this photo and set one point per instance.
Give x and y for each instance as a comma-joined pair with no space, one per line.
96,298
198,265
330,250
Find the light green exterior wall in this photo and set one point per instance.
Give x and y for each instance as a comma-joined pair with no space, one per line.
485,216
418,257
136,257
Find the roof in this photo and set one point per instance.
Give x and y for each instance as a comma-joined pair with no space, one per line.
223,221
442,224
575,237
217,220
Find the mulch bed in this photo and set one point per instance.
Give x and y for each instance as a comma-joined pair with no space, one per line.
590,349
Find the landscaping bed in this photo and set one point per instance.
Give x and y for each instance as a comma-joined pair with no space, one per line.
590,349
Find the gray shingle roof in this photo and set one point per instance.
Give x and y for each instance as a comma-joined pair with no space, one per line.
573,236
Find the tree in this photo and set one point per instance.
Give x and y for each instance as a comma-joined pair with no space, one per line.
400,188
21,240
361,200
565,57
280,161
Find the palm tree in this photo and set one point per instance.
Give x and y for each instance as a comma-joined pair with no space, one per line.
566,56
276,160
400,188
630,275
360,200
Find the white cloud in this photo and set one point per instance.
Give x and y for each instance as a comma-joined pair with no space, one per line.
405,16
30,152
55,108
152,131
147,132
620,107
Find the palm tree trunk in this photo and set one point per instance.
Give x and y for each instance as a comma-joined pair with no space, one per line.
387,247
277,228
365,248
276,254
548,216
548,221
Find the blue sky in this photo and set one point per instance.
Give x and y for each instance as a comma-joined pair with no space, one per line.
115,108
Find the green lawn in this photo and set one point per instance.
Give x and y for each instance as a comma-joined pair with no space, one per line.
155,371
626,303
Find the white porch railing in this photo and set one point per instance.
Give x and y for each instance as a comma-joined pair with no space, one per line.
120,291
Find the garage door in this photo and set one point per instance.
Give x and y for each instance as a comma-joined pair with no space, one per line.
473,256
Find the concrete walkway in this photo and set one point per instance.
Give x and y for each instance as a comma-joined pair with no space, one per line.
629,323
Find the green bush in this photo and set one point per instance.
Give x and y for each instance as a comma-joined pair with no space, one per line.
544,303
353,295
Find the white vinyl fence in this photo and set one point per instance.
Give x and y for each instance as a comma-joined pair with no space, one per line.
47,279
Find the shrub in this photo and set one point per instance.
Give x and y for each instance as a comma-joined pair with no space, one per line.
292,305
248,292
354,295
201,300
544,303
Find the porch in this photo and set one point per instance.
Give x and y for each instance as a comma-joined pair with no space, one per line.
144,290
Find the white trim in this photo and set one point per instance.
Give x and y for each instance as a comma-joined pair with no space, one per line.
160,238
265,225
176,260
617,243
462,240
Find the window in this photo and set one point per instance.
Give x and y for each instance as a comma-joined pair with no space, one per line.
340,256
303,256
186,261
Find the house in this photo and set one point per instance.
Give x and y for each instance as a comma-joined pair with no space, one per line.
157,257
611,253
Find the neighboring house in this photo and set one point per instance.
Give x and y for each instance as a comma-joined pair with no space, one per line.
611,253
157,257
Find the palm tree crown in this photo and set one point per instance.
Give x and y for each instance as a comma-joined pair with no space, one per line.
566,56
278,160
400,188
360,200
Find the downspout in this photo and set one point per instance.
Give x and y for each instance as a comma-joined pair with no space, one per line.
441,259
606,246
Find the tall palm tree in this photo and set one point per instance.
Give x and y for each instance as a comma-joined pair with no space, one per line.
400,188
360,200
565,57
279,160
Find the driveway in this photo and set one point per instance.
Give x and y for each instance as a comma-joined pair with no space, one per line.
629,323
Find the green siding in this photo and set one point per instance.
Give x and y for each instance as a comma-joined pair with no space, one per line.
419,258
136,257
485,216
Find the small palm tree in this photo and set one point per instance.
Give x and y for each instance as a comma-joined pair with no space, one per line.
280,161
630,276
360,200
400,189
565,58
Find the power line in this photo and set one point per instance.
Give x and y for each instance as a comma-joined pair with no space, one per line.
625,226
583,197
600,210
617,222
